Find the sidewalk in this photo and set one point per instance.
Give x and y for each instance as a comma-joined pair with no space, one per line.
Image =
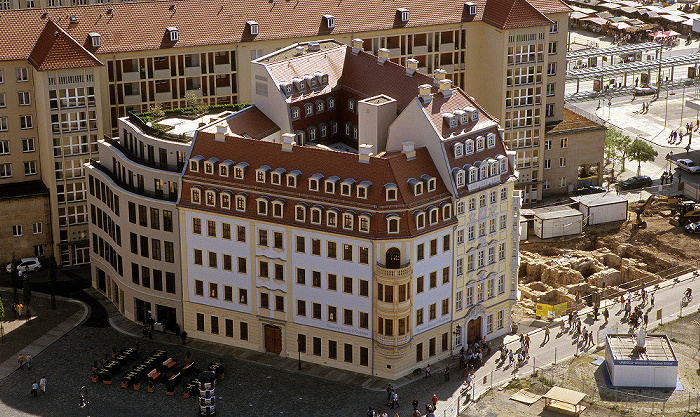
45,340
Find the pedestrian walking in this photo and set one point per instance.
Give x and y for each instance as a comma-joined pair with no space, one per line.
183,336
435,400
590,337
42,384
561,327
394,401
646,319
527,341
651,300
606,314
622,302
35,389
29,361
14,310
389,394
415,403
20,360
447,372
427,371
546,334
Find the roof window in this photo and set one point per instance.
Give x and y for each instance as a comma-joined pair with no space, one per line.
253,27
95,39
330,21
173,34
403,14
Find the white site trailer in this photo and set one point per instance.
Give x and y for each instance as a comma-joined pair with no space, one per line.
601,208
557,221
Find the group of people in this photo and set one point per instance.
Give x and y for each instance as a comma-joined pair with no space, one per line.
645,106
36,386
472,358
22,360
635,316
392,400
17,309
667,177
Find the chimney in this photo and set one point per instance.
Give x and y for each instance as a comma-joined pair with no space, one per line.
220,133
356,46
365,153
424,93
439,75
382,56
288,141
299,50
411,66
408,150
446,88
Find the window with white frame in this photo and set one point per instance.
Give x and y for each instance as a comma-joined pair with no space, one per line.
3,102
23,98
501,251
552,68
277,209
491,255
320,105
460,236
17,230
469,146
420,220
240,203
393,224
473,174
459,178
554,27
458,149
550,89
470,232
502,221
22,74
391,192
562,182
3,124
546,184
490,288
460,207
548,145
313,184
364,224
562,161
296,113
329,185
348,221
300,212
351,105
480,259
547,163
470,262
362,191
331,103
458,300
262,206
469,300
332,218
4,147
480,292
30,168
492,225
564,143
210,198
490,140
225,200
308,109
261,173
37,228
472,204
549,110
316,215
501,284
499,319
480,143
433,215
25,121
196,195
504,194
276,178
459,267
552,49
489,324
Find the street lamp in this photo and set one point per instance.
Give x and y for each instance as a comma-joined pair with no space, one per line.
84,399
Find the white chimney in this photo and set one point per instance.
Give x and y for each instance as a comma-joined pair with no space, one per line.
356,46
411,66
382,56
424,93
446,88
439,75
365,153
408,149
220,133
288,140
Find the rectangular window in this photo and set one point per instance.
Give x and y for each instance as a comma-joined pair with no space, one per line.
199,288
364,255
228,293
301,276
214,325
445,306
242,296
278,240
419,284
332,284
317,346
198,257
227,262
347,317
301,308
200,322
347,285
433,247
279,303
196,224
419,352
229,327
264,300
433,279
240,233
446,275
226,231
331,250
28,145
301,244
211,228
244,330
262,237
364,288
316,279
420,251
170,282
213,290
316,247
458,300
332,349
431,347
348,353
364,320
316,311
419,317
347,252
432,311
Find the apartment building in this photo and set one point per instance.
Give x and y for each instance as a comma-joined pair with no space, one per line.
310,225
573,154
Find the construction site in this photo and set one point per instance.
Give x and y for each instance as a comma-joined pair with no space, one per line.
605,260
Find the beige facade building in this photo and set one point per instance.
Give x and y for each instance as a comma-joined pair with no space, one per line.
24,206
573,155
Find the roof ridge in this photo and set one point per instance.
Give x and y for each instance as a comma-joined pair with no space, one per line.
56,49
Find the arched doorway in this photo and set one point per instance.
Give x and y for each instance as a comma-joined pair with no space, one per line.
474,330
393,258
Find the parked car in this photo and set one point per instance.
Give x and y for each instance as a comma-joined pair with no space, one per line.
688,166
26,265
693,227
590,190
638,181
644,90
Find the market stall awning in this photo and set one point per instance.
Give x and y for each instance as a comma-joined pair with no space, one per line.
619,19
577,15
611,6
620,25
672,18
596,20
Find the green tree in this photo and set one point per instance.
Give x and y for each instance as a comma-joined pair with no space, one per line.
52,281
195,103
641,151
616,146
14,279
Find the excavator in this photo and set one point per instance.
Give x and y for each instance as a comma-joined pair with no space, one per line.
683,208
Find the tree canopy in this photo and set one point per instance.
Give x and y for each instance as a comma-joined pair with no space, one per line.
641,151
616,146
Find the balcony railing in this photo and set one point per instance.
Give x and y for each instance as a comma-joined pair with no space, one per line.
131,188
139,160
401,271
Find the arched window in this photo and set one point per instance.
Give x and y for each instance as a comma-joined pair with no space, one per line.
393,258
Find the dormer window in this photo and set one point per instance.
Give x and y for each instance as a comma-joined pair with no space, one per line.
433,215
239,170
276,177
225,168
346,187
299,84
331,103
241,202
278,208
173,34
363,189
391,192
417,186
262,205
351,105
450,119
261,173
503,163
253,27
310,81
493,167
403,14
95,39
348,221
330,21
469,146
329,184
459,177
420,219
446,211
210,198
196,195
470,8
225,202
314,182
364,223
332,218
194,163
473,174
209,165
429,182
392,223
462,117
300,212
293,178
480,143
483,170
308,109
491,140
321,78
458,149
316,215
287,89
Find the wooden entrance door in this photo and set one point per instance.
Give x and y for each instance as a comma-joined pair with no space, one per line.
474,330
273,339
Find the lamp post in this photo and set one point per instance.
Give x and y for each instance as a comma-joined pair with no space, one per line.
299,349
84,399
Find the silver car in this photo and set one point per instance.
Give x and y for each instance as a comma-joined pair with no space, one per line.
688,166
26,265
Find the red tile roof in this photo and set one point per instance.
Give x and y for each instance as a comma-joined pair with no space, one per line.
249,122
513,14
55,49
550,6
392,168
139,26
